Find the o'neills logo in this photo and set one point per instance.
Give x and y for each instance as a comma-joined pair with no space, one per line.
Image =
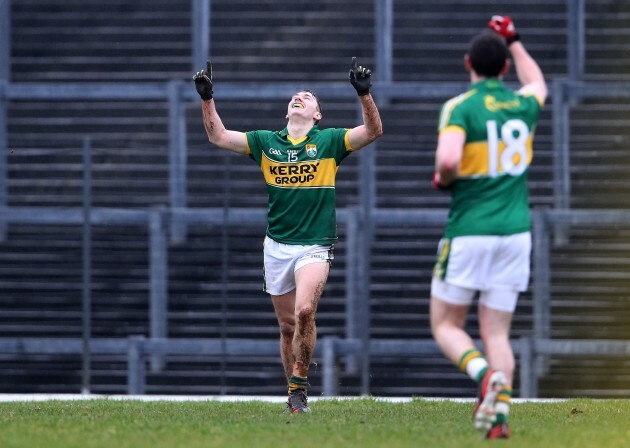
293,174
493,105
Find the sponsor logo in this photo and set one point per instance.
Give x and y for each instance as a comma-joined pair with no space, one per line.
311,150
318,173
493,105
293,174
275,152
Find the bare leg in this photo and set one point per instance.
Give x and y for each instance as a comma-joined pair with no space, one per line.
447,326
284,306
310,281
494,327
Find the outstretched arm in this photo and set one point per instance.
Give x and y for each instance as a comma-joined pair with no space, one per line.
217,134
372,128
527,69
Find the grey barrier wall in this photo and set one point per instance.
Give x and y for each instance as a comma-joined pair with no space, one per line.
563,94
170,223
176,94
534,351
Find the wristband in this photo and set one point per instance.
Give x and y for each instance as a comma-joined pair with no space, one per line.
510,40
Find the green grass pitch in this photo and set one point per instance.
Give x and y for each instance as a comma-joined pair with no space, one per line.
333,423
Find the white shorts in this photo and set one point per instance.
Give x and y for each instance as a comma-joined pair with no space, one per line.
282,260
496,266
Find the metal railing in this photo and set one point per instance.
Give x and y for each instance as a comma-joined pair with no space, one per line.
139,349
357,344
176,93
171,222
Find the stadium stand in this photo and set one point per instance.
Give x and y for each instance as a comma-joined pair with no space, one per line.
214,275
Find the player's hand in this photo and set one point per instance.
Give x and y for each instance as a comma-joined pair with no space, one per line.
360,77
503,26
203,82
436,182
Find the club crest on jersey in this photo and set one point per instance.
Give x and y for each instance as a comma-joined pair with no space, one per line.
311,150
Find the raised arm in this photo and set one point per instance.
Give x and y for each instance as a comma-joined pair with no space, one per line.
217,134
527,69
372,128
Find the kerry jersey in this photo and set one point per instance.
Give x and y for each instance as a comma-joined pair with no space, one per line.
300,177
490,194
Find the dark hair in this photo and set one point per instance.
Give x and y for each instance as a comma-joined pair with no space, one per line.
319,103
488,53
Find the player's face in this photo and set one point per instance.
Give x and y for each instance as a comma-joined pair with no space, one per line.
303,104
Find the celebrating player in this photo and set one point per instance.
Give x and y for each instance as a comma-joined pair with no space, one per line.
483,154
299,165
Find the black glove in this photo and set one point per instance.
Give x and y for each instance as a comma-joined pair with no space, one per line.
360,78
203,82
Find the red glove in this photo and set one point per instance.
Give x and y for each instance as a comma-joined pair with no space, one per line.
503,26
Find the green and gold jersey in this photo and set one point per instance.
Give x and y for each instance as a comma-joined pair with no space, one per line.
490,195
300,176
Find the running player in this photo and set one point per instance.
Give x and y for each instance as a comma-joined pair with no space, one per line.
483,155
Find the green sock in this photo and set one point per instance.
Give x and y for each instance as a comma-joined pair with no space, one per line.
474,364
503,405
481,374
297,384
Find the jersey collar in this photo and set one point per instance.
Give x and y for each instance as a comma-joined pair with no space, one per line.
285,133
488,84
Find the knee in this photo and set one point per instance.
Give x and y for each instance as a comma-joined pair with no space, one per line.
439,332
305,313
492,337
440,327
287,328
485,336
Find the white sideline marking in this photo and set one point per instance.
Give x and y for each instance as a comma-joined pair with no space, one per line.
235,398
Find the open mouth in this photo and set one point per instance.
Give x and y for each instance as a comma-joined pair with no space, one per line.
300,105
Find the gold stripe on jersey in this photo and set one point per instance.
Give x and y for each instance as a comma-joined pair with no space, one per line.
526,93
475,158
346,141
296,141
447,110
312,174
454,127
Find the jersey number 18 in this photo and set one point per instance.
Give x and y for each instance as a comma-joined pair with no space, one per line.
513,159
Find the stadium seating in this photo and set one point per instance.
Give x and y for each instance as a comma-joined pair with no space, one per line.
215,274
